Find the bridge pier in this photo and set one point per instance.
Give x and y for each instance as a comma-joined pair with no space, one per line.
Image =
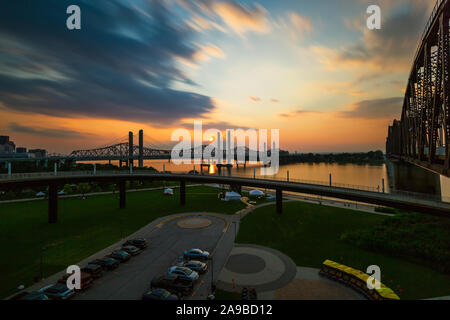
182,192
52,203
279,197
141,149
130,148
122,194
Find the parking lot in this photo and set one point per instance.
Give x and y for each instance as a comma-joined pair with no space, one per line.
167,242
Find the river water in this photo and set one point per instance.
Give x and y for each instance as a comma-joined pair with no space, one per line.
395,175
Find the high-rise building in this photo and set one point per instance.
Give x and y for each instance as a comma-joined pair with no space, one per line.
6,146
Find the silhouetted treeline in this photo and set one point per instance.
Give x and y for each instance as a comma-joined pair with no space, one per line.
28,167
374,157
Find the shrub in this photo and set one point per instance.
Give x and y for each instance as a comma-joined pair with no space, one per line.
417,237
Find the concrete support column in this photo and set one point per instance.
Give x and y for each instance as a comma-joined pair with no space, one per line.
279,201
55,168
130,149
141,148
182,192
53,203
9,168
122,194
95,168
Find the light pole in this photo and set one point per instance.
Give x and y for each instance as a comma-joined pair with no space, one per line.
213,287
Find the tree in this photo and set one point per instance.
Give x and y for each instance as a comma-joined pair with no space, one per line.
67,189
84,188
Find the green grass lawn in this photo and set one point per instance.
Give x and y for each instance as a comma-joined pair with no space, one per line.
84,227
310,233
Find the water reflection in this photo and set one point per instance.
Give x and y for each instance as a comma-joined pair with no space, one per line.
397,175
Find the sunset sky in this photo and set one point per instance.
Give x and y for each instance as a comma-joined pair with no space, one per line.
309,68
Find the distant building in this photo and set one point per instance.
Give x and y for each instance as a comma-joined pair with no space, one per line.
6,146
21,150
38,153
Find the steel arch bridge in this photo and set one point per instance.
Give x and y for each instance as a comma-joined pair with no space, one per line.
423,133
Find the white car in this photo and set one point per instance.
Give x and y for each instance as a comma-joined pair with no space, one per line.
183,273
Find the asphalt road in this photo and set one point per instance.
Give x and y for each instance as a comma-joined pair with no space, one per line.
166,244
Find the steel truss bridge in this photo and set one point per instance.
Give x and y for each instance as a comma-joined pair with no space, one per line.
423,133
120,151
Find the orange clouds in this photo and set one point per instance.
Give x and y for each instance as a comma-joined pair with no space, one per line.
241,19
301,24
255,99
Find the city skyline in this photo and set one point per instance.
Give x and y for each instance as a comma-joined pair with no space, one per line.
312,70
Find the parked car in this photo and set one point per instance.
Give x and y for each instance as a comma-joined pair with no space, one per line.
131,250
173,283
86,280
94,270
140,243
120,255
34,295
159,294
196,254
184,273
57,291
197,266
106,263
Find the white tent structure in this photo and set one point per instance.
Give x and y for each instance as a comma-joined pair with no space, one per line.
168,192
40,194
232,196
256,193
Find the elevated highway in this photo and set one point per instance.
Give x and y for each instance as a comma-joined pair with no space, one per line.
21,181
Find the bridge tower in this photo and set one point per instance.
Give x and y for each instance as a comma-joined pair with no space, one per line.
141,148
130,145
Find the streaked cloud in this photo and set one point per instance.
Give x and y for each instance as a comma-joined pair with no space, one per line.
242,19
255,99
60,133
121,65
298,112
391,48
374,109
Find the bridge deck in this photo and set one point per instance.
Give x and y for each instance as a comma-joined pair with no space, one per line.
17,181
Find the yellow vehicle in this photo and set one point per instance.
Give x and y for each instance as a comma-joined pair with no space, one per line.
357,280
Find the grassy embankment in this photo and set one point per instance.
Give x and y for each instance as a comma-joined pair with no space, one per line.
310,233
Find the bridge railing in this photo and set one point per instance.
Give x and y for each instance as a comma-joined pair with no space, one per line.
401,194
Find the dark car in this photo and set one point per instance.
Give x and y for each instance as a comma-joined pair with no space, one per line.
159,294
120,255
57,291
140,243
106,263
131,250
197,266
94,270
86,280
173,284
197,254
34,295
